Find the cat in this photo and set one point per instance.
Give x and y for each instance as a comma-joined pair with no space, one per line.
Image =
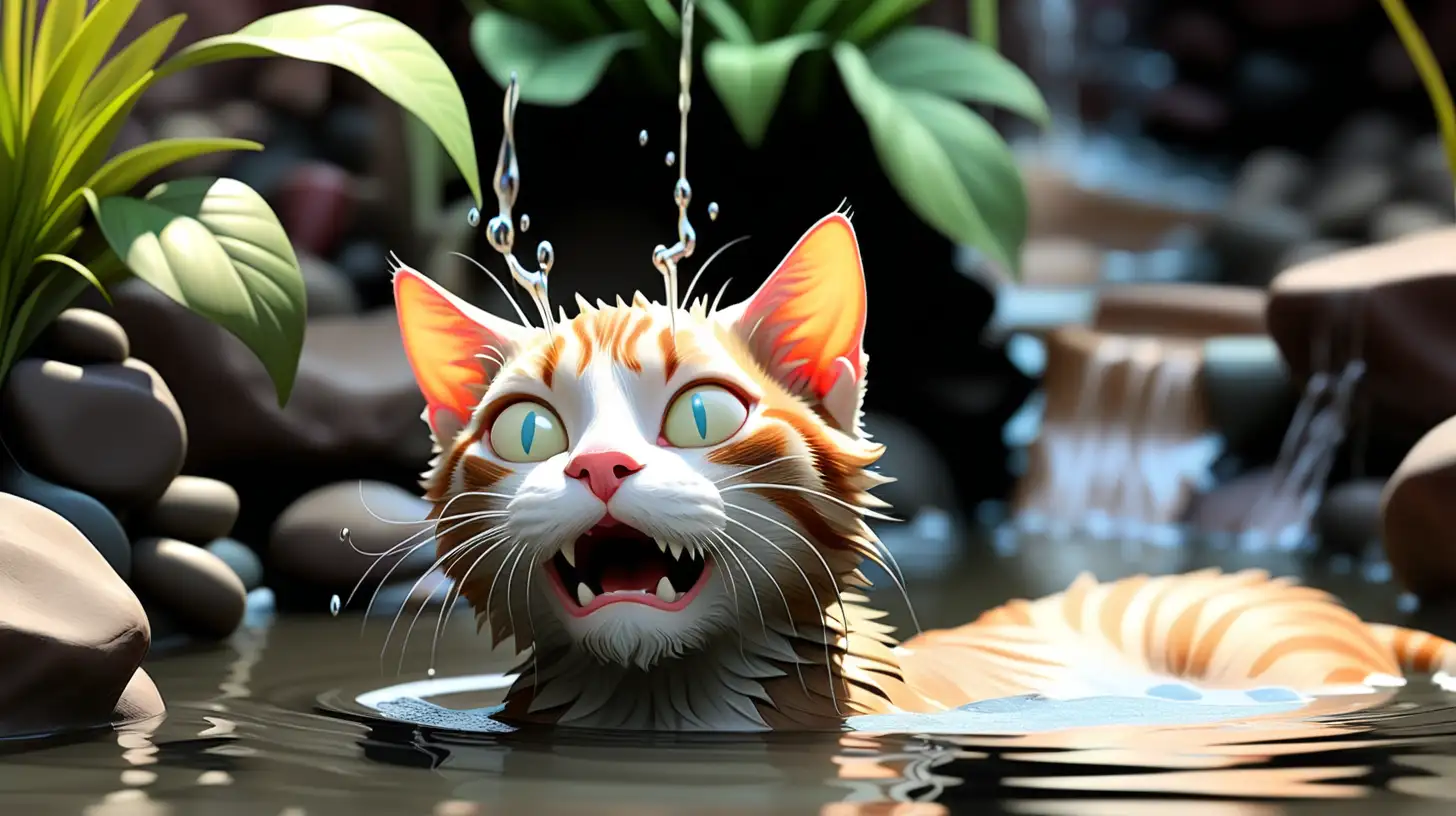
671,524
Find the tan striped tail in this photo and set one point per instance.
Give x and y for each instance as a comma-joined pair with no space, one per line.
1416,651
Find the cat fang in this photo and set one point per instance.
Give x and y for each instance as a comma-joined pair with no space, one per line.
613,563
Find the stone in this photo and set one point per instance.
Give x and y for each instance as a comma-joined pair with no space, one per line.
299,87
1402,218
290,143
1180,310
1272,176
364,262
140,701
329,292
1247,393
98,524
1367,138
349,137
1060,261
1348,519
315,203
244,119
307,543
187,124
111,430
1390,304
1251,242
193,509
1345,202
354,400
82,336
1229,507
1265,82
241,559
195,588
1418,516
67,619
1426,174
1313,250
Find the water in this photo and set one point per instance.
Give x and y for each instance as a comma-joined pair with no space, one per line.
270,723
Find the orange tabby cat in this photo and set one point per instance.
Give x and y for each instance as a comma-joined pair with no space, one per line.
672,525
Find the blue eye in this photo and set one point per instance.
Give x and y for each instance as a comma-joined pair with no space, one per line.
700,416
528,431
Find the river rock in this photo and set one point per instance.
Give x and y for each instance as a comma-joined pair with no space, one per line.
1426,174
307,544
71,633
241,559
186,124
299,87
1250,242
139,702
1367,138
98,524
111,430
1247,393
191,585
1058,261
922,477
1402,218
1396,299
1272,176
82,336
354,401
1348,519
193,509
1418,515
329,292
315,205
1344,204
1314,250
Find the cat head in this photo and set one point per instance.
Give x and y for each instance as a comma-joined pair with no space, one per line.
613,487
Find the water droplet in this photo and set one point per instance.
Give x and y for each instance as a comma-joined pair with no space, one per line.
334,604
525,222
473,217
500,234
344,534
642,138
682,193
430,672
671,158
545,255
712,211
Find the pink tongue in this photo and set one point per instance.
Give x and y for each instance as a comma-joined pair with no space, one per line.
639,576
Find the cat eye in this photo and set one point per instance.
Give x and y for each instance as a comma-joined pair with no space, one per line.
703,415
527,431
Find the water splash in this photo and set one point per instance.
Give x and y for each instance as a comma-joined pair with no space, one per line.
670,159
642,138
712,211
666,259
525,222
335,605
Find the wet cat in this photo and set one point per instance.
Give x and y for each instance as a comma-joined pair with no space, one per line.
671,526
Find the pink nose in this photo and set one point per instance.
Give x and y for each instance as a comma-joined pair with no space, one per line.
602,470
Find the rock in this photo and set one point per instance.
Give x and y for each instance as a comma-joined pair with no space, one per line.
191,585
1369,138
85,513
71,634
1396,299
1402,218
1272,176
140,701
1057,261
315,205
82,336
1180,310
1351,194
1318,248
193,509
922,477
193,125
1417,516
364,262
1426,174
1268,81
241,559
244,119
296,86
349,137
113,431
328,291
306,543
1247,393
354,361
1348,519
1251,242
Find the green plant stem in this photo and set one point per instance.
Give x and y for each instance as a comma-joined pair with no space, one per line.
1430,72
985,25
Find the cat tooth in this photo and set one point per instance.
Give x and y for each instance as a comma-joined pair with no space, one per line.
661,545
584,596
677,550
665,592
568,551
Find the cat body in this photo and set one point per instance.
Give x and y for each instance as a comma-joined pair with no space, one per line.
666,510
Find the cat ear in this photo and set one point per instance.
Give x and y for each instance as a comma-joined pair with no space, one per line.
453,348
805,325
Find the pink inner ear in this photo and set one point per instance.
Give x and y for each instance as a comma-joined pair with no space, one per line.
811,311
442,336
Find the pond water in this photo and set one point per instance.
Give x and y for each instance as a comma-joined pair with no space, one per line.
272,722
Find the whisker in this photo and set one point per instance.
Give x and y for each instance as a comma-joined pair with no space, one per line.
864,511
510,580
434,535
703,545
687,297
788,610
512,298
747,471
474,541
519,545
716,300
833,579
460,585
753,593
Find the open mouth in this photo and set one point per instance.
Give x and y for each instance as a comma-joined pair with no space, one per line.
615,563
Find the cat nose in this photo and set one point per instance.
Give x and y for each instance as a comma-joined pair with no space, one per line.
602,470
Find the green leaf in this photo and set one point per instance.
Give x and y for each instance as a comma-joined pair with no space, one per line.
726,20
134,61
550,72
814,15
880,15
665,13
749,78
945,63
57,106
382,51
92,139
62,20
214,246
127,170
916,160
77,267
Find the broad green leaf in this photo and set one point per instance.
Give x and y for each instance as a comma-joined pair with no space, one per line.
382,51
945,63
77,267
726,20
880,15
61,22
134,61
749,78
814,15
127,170
550,72
214,246
917,162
